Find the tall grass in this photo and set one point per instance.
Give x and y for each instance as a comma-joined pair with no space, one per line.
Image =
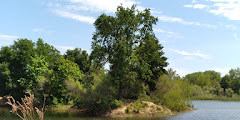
25,110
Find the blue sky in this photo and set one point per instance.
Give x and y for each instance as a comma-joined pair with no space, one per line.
197,35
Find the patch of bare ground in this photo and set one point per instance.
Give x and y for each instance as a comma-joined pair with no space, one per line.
141,109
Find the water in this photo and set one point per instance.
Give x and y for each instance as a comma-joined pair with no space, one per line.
206,110
211,110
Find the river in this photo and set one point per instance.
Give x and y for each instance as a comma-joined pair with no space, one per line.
206,110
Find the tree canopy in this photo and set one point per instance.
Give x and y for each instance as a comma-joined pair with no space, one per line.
128,43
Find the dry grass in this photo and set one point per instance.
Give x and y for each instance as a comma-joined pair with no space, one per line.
25,110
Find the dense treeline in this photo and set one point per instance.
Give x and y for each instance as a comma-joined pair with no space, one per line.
210,85
126,42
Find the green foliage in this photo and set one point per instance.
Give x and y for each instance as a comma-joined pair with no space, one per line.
135,107
63,71
47,51
225,82
202,79
209,85
128,43
5,78
172,92
117,104
80,57
36,70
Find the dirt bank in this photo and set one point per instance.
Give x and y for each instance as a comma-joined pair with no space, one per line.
141,109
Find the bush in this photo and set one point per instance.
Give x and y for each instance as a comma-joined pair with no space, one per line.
117,104
229,92
174,100
135,107
172,93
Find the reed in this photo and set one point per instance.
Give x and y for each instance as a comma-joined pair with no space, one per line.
25,110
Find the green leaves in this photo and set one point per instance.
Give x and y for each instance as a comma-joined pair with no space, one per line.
80,57
128,43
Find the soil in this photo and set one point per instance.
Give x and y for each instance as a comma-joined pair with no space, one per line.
150,110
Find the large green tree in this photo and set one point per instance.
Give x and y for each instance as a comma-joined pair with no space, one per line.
128,43
151,59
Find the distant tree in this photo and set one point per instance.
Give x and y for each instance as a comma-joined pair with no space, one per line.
80,57
214,76
234,75
6,54
225,82
206,78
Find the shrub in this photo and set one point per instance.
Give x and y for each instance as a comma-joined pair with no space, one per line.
229,92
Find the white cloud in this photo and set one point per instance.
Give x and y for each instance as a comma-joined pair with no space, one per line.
182,71
169,34
101,5
198,6
7,39
204,56
74,16
63,49
223,71
82,10
179,20
82,7
188,6
227,8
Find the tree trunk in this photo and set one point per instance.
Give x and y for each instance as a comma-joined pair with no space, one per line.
120,91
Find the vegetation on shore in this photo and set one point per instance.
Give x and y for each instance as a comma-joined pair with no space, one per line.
209,85
125,41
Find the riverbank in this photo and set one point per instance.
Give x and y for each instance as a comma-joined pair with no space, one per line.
216,98
144,109
140,108
128,109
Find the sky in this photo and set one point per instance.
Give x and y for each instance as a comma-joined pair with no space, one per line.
197,35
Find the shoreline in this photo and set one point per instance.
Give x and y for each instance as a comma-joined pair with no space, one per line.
150,110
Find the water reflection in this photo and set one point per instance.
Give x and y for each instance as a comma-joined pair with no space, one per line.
207,110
